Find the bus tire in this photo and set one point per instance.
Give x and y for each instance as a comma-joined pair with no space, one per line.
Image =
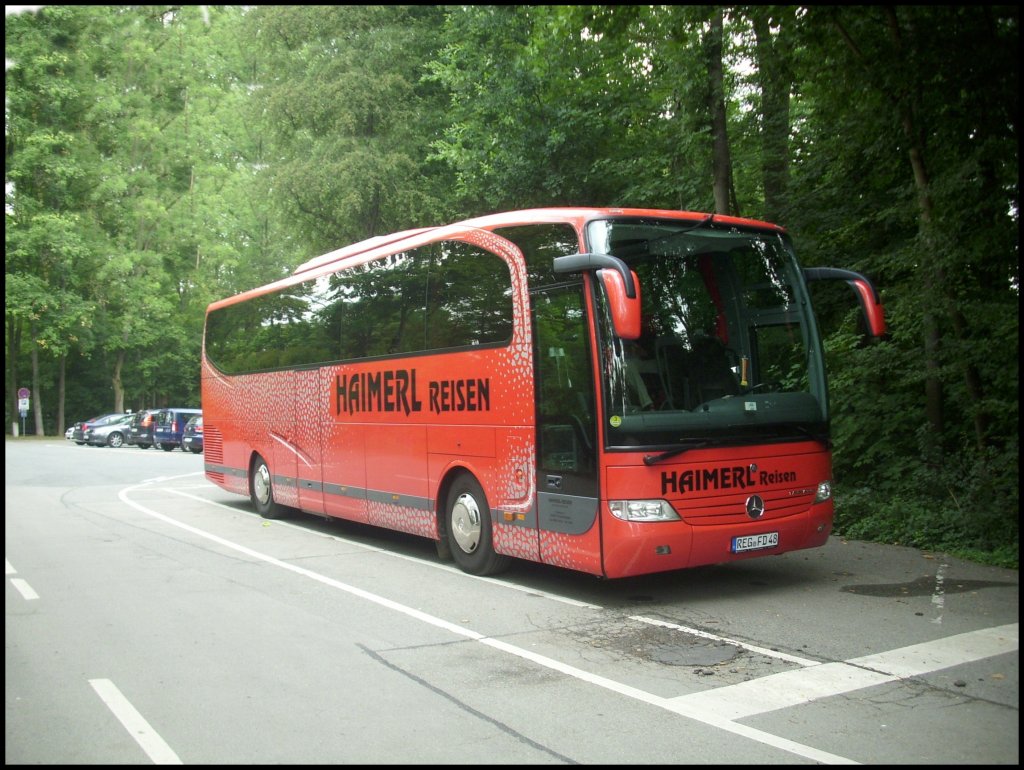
261,491
468,527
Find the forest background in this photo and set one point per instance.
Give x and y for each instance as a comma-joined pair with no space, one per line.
162,157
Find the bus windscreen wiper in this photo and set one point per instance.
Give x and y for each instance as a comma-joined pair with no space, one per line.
686,446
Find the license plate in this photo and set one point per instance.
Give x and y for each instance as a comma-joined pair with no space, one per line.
755,542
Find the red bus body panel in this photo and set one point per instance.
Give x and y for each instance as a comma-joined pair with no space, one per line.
710,495
373,441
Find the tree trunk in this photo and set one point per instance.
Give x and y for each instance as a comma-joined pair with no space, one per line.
720,159
61,373
775,82
37,401
931,279
935,277
116,381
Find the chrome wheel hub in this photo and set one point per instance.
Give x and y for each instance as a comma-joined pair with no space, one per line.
466,523
261,485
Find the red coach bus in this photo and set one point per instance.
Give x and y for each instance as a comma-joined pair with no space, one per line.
615,391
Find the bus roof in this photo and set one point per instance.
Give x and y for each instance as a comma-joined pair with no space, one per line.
357,248
575,215
579,215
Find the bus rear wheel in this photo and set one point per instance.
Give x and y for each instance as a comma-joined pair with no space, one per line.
261,491
468,527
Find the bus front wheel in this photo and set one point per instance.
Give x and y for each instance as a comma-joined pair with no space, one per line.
468,527
261,491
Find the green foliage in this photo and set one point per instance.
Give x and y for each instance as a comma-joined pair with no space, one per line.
351,120
554,105
960,507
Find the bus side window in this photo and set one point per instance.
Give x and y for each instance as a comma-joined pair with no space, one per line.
469,298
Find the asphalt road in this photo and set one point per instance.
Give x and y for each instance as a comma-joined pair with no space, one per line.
153,618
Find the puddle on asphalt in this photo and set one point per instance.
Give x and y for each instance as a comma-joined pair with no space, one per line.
923,586
692,655
662,645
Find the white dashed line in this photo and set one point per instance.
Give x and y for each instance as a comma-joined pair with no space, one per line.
24,589
21,586
147,738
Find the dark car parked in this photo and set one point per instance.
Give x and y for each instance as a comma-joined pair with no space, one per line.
112,434
192,438
78,436
170,425
140,429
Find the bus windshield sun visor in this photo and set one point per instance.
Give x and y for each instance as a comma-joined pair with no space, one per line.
576,263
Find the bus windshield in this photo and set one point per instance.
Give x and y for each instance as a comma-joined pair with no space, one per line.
729,352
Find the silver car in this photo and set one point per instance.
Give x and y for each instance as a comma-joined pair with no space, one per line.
110,434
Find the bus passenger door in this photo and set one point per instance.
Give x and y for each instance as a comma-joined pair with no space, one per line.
275,412
293,426
312,402
567,482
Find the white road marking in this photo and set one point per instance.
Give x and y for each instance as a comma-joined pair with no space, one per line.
21,586
794,688
943,653
718,707
392,554
24,589
138,728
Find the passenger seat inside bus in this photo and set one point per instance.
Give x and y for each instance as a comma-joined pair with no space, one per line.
712,374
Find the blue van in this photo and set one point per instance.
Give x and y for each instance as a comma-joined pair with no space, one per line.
169,424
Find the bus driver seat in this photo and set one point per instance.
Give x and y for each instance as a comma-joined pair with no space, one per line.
709,366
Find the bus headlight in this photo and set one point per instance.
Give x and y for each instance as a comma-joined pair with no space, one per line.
824,491
642,510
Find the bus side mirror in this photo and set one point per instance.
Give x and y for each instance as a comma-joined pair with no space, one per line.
624,309
867,296
621,286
